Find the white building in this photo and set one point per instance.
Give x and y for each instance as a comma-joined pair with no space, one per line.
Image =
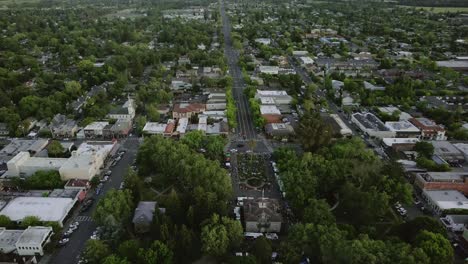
27,242
24,165
264,41
45,208
306,60
182,126
84,163
300,53
95,129
274,70
273,97
344,129
440,200
153,128
455,223
202,123
403,129
269,110
33,240
371,125
125,112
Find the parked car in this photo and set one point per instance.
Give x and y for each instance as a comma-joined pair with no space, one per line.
122,185
63,241
271,236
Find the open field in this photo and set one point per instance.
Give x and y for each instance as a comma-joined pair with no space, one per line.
441,9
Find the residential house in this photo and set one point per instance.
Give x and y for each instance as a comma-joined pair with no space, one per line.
124,112
63,127
143,216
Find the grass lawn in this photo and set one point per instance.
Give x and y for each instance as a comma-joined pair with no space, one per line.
440,9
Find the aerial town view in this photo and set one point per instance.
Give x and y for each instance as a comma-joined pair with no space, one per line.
234,131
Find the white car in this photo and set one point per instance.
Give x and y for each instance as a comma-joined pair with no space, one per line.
271,236
122,185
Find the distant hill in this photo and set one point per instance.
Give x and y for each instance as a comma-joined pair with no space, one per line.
435,3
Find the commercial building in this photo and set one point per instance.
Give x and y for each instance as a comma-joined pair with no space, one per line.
305,61
187,110
95,129
273,97
182,125
429,129
84,163
279,130
403,129
18,145
340,129
165,129
271,113
274,70
262,215
442,181
29,242
399,144
45,208
372,125
441,200
463,147
448,152
454,223
33,240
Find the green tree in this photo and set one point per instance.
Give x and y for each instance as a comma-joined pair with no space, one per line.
436,247
157,253
424,149
318,212
129,250
6,222
262,250
30,221
214,237
408,231
113,259
96,251
313,133
55,149
152,113
193,139
116,205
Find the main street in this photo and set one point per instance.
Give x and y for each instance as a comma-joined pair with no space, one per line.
245,125
70,253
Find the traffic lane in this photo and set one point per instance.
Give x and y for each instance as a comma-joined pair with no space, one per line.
71,252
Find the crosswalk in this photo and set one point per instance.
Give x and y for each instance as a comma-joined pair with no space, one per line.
83,218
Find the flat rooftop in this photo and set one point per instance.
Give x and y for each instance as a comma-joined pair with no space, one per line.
443,176
269,110
153,127
34,235
402,126
46,208
370,121
447,199
391,141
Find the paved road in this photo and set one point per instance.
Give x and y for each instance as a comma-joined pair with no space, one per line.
70,253
245,123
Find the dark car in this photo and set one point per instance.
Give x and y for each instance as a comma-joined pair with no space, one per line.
240,145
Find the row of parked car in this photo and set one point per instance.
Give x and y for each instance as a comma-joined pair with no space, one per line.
66,235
